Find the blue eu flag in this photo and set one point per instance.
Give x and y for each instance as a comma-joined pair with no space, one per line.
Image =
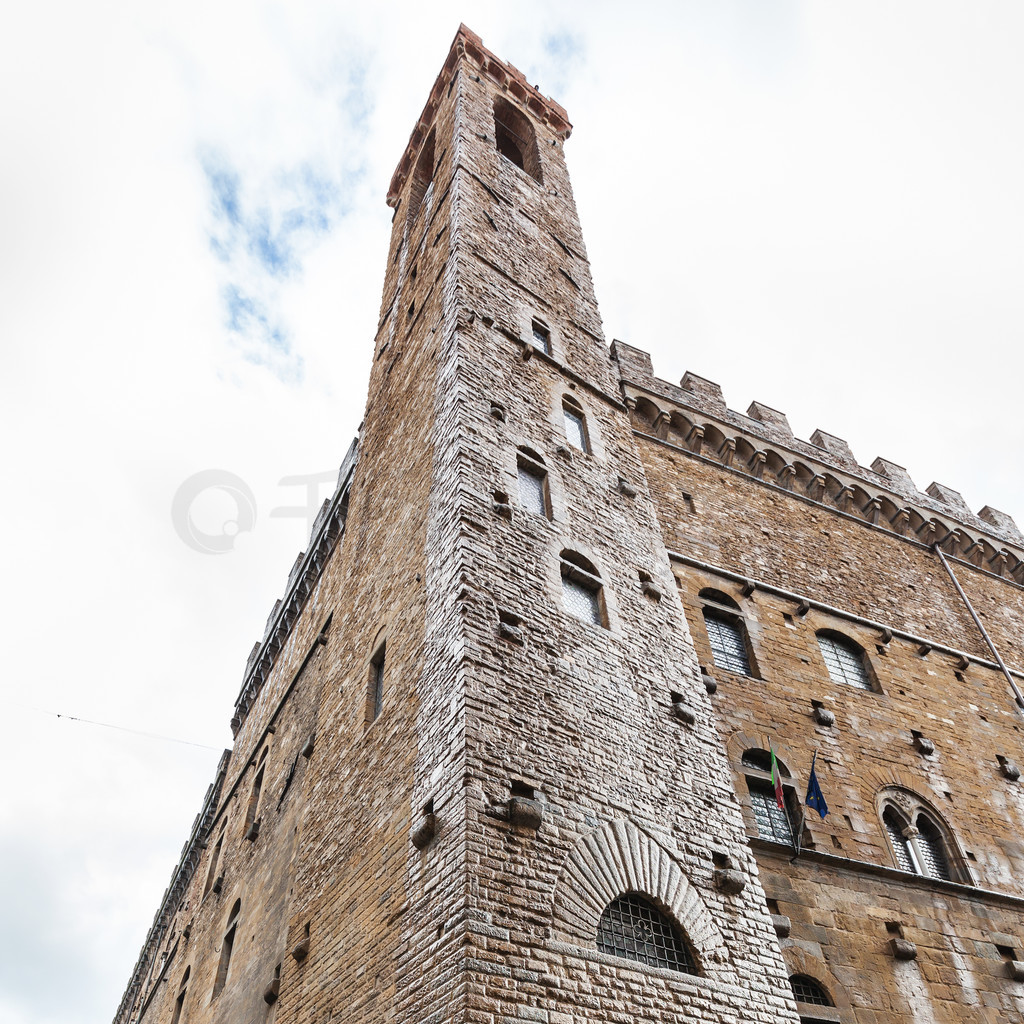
815,798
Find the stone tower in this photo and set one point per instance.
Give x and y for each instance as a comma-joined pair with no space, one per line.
505,751
476,718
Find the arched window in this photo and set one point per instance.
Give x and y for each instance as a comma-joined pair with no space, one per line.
226,946
809,993
179,1001
920,841
773,822
846,662
808,990
575,424
633,928
581,588
515,137
422,177
533,483
726,633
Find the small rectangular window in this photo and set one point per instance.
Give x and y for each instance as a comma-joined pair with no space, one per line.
533,489
541,337
576,428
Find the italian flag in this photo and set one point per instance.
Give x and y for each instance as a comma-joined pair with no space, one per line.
777,781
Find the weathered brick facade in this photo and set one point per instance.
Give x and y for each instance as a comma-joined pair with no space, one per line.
488,706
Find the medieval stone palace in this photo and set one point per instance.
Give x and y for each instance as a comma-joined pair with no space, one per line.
529,736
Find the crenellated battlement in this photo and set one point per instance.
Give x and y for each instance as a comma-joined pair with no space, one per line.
693,416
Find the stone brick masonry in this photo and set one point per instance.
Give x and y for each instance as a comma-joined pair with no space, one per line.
481,714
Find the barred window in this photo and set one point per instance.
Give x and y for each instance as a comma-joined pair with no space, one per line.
844,660
633,928
772,822
901,848
924,847
933,850
807,990
727,642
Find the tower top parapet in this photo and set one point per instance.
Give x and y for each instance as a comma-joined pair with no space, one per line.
469,45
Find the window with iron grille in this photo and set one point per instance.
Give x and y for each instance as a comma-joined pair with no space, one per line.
728,646
924,848
900,844
807,990
772,821
633,928
844,660
932,849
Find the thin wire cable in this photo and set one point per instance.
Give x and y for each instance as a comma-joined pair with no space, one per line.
117,728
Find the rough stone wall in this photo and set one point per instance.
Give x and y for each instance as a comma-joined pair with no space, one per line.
451,857
575,719
794,567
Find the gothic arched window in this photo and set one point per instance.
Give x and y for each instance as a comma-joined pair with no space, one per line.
634,928
920,841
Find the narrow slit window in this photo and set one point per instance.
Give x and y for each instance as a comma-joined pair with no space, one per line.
376,694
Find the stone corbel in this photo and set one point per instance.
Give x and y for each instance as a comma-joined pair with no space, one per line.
695,439
786,475
873,511
727,451
901,521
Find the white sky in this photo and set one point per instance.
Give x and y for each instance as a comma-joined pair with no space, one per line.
816,205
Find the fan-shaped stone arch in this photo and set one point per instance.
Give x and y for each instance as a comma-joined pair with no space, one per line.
618,858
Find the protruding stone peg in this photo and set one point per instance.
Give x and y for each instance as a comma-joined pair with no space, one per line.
425,831
525,812
903,949
730,881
